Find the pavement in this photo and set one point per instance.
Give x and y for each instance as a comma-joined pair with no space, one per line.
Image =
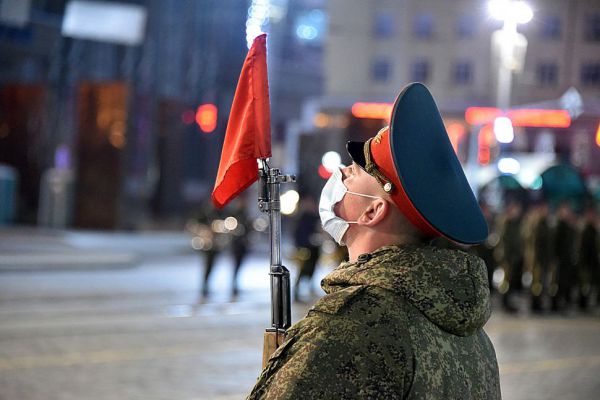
32,248
97,332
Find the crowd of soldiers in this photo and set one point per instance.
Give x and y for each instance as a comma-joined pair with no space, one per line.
216,232
549,253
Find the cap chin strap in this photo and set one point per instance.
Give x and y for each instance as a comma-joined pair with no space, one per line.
372,169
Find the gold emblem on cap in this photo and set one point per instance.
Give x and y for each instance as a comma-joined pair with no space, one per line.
372,168
377,138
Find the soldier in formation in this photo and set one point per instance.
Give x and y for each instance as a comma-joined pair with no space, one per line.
588,265
542,256
564,274
510,252
559,257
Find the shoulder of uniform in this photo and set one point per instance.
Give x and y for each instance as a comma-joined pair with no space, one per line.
334,302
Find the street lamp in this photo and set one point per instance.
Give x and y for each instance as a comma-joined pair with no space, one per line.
508,53
508,45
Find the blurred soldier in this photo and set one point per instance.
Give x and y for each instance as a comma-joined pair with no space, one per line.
307,238
542,256
510,254
588,264
209,238
486,250
239,229
564,252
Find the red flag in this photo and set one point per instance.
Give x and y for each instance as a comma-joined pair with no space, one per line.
248,134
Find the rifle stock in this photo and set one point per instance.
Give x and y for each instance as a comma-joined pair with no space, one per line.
272,340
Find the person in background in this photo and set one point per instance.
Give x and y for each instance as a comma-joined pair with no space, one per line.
209,239
588,264
307,239
564,252
486,250
239,239
542,257
510,254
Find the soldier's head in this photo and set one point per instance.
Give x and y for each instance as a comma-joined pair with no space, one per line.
373,209
514,209
565,210
591,213
405,181
543,209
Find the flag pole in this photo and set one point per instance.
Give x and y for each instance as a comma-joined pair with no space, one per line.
269,202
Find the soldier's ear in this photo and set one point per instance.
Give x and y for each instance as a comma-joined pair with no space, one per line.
374,213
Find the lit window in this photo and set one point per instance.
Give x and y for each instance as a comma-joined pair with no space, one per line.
423,26
420,71
592,28
550,27
381,70
547,74
590,74
463,73
383,25
465,26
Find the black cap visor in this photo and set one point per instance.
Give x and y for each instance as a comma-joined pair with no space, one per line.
357,152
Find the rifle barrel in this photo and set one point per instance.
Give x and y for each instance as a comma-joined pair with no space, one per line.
269,201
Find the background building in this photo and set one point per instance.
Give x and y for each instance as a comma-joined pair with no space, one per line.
373,49
103,133
447,45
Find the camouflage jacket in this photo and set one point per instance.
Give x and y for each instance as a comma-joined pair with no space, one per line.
400,323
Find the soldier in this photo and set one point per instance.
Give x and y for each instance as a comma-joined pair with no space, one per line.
542,257
214,231
486,249
564,252
510,253
588,264
239,240
308,242
401,319
209,239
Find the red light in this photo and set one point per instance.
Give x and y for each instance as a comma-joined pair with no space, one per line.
188,117
456,131
372,110
323,172
524,117
206,117
486,138
540,118
481,115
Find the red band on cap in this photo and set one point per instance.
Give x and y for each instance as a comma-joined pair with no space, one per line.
381,154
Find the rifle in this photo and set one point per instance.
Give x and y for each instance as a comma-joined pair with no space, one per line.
281,312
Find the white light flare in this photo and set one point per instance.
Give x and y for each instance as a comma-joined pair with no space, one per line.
258,19
289,202
331,160
503,129
510,11
509,166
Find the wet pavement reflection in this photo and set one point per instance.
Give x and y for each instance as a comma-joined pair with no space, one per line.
142,333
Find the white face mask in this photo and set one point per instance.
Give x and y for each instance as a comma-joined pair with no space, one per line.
333,192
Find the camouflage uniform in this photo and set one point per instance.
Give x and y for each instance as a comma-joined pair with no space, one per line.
400,323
